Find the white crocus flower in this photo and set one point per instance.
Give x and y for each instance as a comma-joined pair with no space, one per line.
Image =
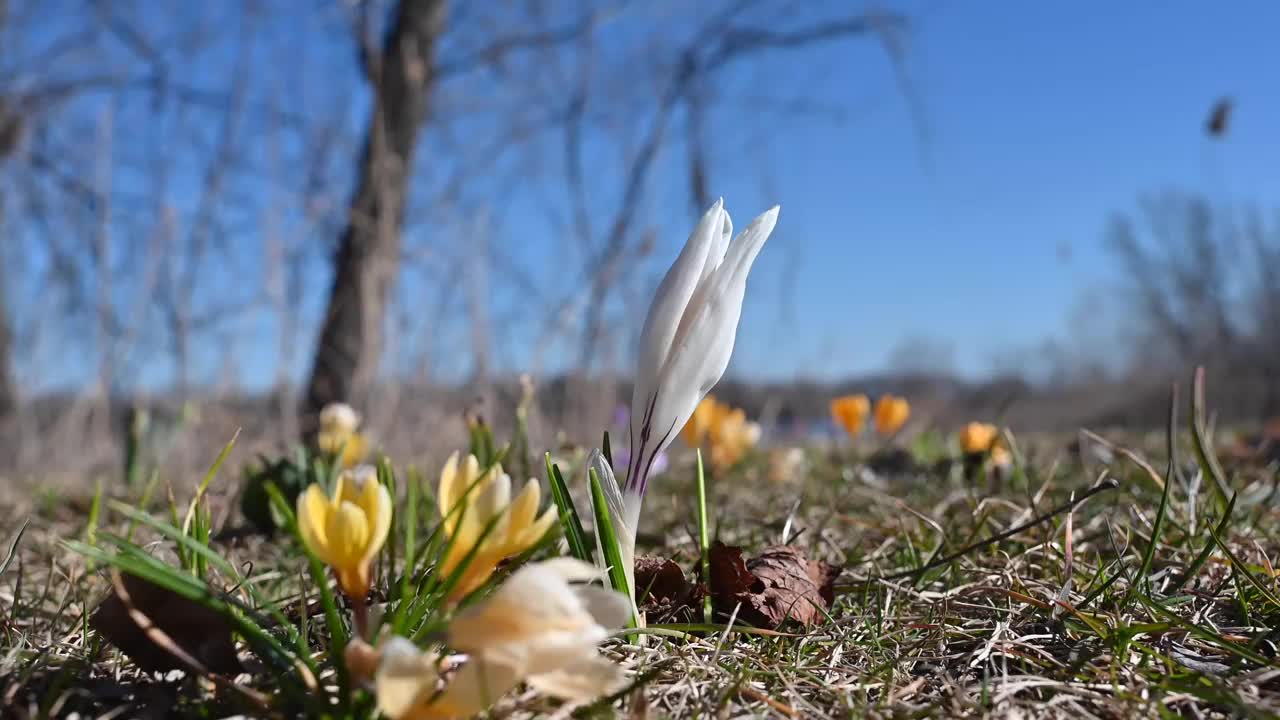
684,349
339,418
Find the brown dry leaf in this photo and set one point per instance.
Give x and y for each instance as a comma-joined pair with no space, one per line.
777,585
156,627
665,595
659,580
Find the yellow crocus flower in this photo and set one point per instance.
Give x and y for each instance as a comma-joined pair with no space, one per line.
724,429
977,438
850,412
731,436
346,530
891,414
700,422
469,503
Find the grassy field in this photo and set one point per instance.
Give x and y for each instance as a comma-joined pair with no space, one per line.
1155,597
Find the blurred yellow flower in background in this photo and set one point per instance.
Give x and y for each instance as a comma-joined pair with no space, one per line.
850,412
787,464
346,530
891,414
699,424
1001,458
724,429
340,436
469,502
977,438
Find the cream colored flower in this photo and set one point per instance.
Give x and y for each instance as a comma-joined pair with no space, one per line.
469,503
786,464
339,417
535,628
413,685
547,630
339,434
347,529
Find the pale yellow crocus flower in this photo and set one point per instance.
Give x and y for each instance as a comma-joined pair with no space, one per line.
535,628
469,503
339,434
546,630
410,684
346,530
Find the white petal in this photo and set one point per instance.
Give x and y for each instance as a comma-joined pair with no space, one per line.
624,512
609,608
702,351
586,679
718,247
475,687
571,569
404,675
668,306
533,601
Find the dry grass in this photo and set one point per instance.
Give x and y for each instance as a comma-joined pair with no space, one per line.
1084,615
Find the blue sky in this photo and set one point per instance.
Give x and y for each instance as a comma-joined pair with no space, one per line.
971,213
1041,120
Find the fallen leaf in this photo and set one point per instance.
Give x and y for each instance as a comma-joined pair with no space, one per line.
778,585
161,631
665,595
659,580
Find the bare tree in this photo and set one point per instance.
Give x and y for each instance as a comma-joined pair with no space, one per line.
8,388
1202,288
1177,263
365,265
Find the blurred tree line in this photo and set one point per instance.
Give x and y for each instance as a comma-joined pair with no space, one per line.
321,186
325,189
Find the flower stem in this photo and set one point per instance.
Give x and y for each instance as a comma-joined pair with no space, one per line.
704,538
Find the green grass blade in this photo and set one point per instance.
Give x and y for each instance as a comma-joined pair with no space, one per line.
608,539
13,547
1241,568
1204,634
410,550
569,520
704,537
208,478
1209,545
95,512
1204,445
1158,526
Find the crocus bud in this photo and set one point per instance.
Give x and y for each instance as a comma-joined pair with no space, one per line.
689,332
684,349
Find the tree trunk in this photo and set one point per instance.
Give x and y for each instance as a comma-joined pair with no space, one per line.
365,265
8,389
